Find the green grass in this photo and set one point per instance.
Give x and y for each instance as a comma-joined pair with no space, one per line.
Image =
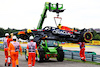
90,62
1,49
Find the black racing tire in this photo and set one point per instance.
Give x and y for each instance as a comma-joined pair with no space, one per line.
37,38
60,55
84,35
24,37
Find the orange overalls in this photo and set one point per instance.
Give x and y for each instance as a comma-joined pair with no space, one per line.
6,45
82,51
14,48
31,47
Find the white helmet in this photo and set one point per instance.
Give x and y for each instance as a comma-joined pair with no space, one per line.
31,38
14,37
7,34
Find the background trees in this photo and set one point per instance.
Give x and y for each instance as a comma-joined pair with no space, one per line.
3,31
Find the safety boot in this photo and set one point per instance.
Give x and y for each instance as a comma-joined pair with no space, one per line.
5,64
84,60
17,65
8,64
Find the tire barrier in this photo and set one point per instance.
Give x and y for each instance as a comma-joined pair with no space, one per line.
75,55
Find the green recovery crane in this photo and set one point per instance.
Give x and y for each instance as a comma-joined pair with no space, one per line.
48,49
51,8
44,48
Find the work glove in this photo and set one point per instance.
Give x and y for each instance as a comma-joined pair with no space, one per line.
37,52
11,35
21,53
27,53
8,53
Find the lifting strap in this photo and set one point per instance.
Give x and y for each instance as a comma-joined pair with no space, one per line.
57,18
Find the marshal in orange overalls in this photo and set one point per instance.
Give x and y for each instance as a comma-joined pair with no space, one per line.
14,48
82,51
6,45
31,48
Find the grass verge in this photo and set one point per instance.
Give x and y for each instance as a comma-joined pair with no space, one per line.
1,49
90,62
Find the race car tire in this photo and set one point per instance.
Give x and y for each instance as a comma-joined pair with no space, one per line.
85,37
22,36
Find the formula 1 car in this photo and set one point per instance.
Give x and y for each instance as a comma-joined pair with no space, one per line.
52,33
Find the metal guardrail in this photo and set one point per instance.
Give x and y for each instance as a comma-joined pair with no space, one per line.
1,46
89,57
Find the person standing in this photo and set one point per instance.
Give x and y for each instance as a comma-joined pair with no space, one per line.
82,51
13,51
6,45
31,49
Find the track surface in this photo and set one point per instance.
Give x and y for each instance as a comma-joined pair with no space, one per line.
50,63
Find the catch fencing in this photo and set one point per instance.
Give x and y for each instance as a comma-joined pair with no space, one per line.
89,57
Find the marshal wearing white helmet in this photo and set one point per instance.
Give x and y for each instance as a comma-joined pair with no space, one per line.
31,38
6,44
7,34
31,49
13,51
14,37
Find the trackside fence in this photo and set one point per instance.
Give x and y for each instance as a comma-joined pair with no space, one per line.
89,57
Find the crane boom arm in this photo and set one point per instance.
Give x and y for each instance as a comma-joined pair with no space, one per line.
51,8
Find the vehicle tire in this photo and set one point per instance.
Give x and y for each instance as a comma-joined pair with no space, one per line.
60,54
46,59
22,36
41,55
26,57
37,38
85,37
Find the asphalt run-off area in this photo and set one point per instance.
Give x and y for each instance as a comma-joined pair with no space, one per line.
54,62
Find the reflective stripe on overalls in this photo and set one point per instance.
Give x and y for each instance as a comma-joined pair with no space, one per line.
16,45
31,46
5,43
